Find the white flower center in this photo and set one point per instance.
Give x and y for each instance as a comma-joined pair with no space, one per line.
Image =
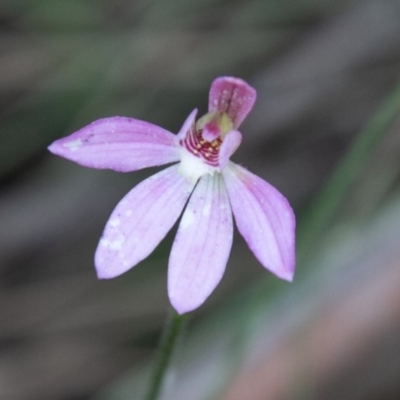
192,167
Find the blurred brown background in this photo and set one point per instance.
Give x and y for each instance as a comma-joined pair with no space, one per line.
322,68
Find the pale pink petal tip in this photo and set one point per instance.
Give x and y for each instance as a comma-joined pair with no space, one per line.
265,220
202,245
118,143
232,96
187,125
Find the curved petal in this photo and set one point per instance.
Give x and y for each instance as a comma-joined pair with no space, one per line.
264,218
118,143
229,145
232,96
187,125
140,221
202,245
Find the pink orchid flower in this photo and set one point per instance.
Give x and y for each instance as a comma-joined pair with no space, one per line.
204,179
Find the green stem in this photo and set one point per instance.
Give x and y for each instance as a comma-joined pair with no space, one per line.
173,329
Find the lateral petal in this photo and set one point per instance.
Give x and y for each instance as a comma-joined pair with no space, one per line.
140,221
202,245
264,218
232,96
118,143
229,145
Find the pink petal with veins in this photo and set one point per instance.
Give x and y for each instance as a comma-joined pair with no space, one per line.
232,96
202,245
140,221
264,218
118,143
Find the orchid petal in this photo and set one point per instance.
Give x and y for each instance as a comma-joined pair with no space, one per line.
202,245
118,143
229,145
188,125
140,221
232,96
264,218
